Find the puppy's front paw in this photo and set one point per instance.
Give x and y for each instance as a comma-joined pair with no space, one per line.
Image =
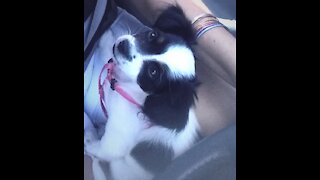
89,138
91,148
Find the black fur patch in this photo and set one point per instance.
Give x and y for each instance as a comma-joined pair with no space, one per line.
151,84
170,99
173,21
156,45
170,106
172,27
152,157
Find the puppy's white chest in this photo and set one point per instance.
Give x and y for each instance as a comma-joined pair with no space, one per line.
120,108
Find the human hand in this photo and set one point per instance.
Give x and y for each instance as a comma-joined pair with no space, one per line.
149,10
146,10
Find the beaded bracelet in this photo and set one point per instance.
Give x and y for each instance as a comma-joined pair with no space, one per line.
204,23
201,16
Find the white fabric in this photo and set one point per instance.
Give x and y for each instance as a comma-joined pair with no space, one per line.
124,24
95,20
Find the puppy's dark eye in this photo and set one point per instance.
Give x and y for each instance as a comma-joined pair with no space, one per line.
153,71
152,35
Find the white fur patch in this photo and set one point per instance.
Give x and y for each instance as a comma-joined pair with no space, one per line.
179,59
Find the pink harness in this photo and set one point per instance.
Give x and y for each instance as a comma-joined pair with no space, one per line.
113,85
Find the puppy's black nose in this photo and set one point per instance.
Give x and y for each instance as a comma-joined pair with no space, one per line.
123,48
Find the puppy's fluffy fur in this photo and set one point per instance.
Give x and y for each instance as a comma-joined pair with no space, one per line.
157,68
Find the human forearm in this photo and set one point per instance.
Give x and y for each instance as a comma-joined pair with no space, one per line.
217,47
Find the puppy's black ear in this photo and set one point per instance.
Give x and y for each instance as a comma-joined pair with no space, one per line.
172,20
170,108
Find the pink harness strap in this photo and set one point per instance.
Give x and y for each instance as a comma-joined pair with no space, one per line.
113,85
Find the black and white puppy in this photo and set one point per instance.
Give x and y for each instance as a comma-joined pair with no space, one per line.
157,69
